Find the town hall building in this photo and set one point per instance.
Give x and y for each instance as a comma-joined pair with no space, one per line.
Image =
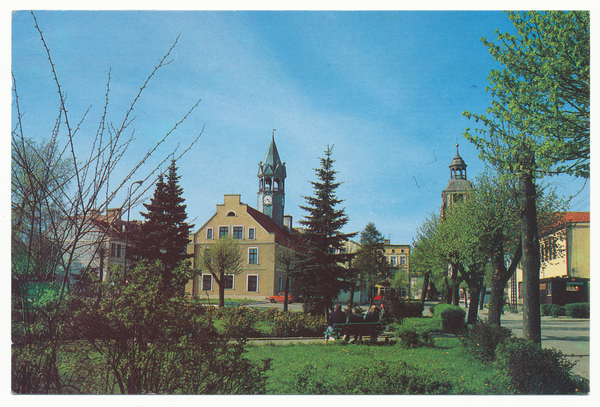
264,236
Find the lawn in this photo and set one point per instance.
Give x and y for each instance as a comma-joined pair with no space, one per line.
319,367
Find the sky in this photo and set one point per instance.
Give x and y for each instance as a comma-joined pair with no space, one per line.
386,89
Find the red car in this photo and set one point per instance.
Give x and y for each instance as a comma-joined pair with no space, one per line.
280,297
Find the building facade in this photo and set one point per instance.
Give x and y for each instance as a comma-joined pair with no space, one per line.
265,236
565,263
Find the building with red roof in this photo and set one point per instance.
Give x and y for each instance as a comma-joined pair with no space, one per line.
565,262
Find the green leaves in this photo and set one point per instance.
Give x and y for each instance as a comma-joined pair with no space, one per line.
540,99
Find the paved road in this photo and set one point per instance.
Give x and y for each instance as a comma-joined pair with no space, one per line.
570,336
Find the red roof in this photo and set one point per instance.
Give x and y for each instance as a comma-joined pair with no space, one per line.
576,217
282,235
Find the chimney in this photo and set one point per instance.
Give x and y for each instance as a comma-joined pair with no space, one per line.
287,221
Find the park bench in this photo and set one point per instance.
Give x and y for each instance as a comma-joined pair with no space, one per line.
359,328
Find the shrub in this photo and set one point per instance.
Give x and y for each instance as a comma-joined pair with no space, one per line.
381,377
536,370
413,339
453,320
483,338
578,310
298,324
554,310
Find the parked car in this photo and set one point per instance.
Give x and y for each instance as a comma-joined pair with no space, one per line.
280,297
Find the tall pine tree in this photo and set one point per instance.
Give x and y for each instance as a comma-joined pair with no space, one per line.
370,258
164,235
321,276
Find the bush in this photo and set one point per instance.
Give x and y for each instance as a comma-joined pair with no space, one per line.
413,339
553,310
453,320
381,377
536,370
578,310
482,340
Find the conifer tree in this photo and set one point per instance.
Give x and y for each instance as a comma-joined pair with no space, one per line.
370,258
321,276
164,235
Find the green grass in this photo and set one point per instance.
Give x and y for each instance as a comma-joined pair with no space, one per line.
447,361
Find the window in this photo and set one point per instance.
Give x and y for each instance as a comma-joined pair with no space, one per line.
113,250
209,233
238,232
253,255
118,250
223,231
231,213
252,283
228,281
393,261
251,233
402,259
206,282
280,284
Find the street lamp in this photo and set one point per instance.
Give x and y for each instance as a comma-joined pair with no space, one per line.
127,225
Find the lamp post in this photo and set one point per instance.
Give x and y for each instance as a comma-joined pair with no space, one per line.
127,225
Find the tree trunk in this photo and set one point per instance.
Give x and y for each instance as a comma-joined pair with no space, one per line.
474,304
455,285
482,298
531,259
351,298
286,292
221,289
425,287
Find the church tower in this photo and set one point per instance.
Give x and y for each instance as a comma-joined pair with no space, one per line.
271,185
458,184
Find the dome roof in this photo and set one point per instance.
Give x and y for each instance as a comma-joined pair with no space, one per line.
458,184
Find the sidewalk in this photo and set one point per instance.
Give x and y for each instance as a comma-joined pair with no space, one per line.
568,335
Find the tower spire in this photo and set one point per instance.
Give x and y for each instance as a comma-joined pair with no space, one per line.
271,184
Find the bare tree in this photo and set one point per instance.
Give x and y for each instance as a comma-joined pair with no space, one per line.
60,197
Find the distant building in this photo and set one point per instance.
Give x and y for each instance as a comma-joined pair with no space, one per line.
398,258
265,236
102,244
565,263
458,184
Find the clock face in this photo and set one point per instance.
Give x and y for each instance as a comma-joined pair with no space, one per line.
268,199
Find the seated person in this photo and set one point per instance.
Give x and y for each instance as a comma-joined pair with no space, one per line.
355,317
373,316
336,317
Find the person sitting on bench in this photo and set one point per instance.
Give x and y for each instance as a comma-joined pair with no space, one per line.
355,317
373,316
336,317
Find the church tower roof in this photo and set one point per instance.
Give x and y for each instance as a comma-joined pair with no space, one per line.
272,164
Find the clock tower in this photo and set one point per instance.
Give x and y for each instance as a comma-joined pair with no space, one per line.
271,185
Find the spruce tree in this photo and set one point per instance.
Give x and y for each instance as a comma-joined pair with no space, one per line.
321,276
370,258
164,235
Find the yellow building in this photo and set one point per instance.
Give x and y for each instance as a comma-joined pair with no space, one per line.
265,237
398,257
564,254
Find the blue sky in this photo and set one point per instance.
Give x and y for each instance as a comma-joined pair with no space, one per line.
386,88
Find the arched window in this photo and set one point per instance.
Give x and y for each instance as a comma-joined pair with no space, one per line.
231,213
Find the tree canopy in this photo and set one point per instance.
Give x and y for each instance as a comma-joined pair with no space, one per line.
541,96
370,258
164,235
321,276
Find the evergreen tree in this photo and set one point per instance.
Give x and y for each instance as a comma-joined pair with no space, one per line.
370,258
321,276
164,235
